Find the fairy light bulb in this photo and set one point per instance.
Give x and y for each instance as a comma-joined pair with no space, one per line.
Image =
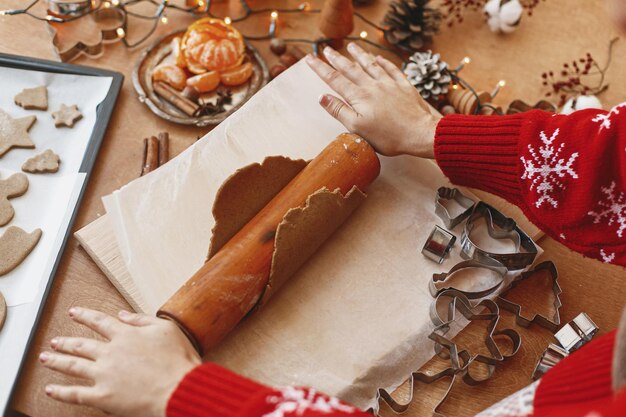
106,4
305,6
228,20
164,19
467,60
120,32
455,86
115,2
274,15
200,3
363,34
501,83
496,90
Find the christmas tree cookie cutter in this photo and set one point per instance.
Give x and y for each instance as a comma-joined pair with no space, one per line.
499,227
459,302
551,324
488,264
110,33
445,193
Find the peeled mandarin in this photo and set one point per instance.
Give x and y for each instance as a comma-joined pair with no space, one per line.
237,76
205,82
170,74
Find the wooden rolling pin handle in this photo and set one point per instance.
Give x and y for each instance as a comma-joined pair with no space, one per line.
219,295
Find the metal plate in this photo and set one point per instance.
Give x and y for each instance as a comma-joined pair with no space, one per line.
152,56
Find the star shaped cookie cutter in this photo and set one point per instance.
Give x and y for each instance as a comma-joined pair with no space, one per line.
445,193
489,264
458,360
112,33
499,227
550,324
459,302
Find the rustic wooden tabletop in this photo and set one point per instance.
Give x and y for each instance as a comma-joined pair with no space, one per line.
558,31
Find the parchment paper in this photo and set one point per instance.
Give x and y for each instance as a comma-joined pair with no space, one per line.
46,201
355,316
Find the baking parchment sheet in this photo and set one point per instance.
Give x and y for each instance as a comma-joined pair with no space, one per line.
355,316
46,201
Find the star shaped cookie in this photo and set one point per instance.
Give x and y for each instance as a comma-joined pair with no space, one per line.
66,115
14,132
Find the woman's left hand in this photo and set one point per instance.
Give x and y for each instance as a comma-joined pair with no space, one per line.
134,372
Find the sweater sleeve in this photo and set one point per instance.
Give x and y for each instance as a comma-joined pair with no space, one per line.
566,172
212,391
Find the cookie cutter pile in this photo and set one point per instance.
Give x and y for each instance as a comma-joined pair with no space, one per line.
438,245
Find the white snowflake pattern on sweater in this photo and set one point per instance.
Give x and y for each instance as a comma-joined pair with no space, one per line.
294,401
546,169
612,208
605,118
607,258
519,404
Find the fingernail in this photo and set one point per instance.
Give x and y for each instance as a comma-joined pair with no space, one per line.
44,356
351,46
309,58
325,100
54,343
48,390
328,50
73,311
124,314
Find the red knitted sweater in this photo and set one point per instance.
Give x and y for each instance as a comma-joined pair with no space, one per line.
568,174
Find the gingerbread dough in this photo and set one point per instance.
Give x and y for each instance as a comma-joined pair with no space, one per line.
14,186
46,161
3,310
66,115
33,98
14,132
302,231
15,245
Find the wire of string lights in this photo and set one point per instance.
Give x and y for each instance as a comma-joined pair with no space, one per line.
202,8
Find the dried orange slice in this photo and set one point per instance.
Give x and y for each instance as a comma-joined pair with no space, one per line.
170,74
205,82
210,44
237,76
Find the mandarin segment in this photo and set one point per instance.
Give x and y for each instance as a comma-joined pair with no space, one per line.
206,82
170,74
237,76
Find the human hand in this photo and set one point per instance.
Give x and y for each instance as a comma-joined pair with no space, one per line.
377,102
134,372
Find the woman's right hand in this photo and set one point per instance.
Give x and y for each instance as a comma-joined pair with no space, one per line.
377,102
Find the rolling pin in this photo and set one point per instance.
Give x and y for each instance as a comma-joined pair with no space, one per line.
220,294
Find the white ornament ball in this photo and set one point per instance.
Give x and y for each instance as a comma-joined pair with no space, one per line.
580,103
502,15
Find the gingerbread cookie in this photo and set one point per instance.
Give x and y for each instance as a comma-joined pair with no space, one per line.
14,186
15,245
14,132
3,310
33,98
66,115
45,162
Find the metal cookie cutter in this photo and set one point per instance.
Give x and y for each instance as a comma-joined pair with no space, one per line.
550,357
445,193
460,303
550,324
489,264
438,244
576,333
499,227
459,361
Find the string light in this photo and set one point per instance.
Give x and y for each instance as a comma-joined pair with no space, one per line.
496,90
199,8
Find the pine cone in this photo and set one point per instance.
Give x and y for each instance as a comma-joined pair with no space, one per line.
428,74
410,24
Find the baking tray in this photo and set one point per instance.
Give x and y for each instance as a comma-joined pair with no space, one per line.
103,115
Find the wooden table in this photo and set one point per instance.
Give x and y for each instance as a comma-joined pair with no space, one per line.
559,31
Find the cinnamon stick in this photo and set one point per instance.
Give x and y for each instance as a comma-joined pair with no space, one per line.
164,147
175,97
